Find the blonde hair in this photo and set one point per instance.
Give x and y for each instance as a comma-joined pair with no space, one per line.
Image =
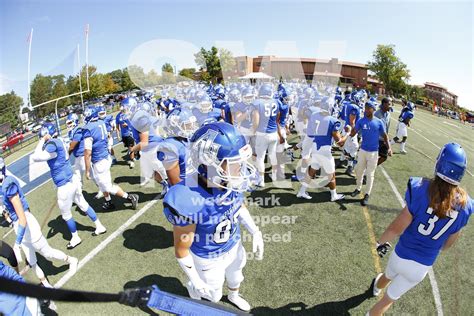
444,196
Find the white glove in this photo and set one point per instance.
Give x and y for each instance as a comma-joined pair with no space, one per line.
17,251
199,290
257,245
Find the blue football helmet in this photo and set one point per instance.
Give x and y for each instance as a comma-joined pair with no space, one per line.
71,121
409,106
234,96
127,103
308,94
219,92
91,113
451,163
407,115
48,129
220,154
204,102
265,91
248,95
181,122
101,112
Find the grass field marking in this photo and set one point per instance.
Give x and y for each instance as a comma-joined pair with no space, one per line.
451,124
434,283
107,241
373,242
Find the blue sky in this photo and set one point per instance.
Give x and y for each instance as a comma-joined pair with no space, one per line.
434,38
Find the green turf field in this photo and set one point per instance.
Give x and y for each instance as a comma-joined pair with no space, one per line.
323,265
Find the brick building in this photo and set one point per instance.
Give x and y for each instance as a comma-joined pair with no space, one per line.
440,95
334,70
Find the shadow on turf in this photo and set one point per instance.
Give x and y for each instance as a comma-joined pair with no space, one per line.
328,308
146,237
58,226
120,203
127,179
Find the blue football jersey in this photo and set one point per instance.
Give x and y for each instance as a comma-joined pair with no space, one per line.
370,130
424,238
229,112
217,224
76,135
325,126
122,120
219,104
205,118
98,132
284,112
268,111
109,122
246,109
349,109
10,187
174,149
60,167
11,304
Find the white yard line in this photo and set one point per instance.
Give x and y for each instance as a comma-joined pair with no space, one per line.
107,241
434,283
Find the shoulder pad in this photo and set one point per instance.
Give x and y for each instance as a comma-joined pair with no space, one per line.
186,208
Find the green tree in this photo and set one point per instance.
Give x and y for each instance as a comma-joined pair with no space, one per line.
117,76
10,108
126,82
41,90
137,76
214,61
187,72
388,68
167,67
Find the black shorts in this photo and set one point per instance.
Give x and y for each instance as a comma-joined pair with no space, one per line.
383,149
128,141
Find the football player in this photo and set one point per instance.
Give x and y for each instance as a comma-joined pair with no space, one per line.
27,229
325,131
350,113
52,149
435,212
206,224
264,121
370,128
285,98
110,125
402,129
97,158
145,124
173,151
203,109
122,123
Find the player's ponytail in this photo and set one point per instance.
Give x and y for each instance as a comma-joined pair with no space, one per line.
445,196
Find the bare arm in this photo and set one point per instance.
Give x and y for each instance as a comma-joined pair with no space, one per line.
20,212
397,227
183,239
88,155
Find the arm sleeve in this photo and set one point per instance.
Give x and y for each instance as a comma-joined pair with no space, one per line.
88,143
44,155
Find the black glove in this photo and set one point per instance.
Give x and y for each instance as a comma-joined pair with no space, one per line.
382,249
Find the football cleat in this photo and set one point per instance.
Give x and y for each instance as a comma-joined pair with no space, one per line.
365,200
74,242
303,195
99,195
376,291
133,198
338,197
349,171
99,230
355,193
239,301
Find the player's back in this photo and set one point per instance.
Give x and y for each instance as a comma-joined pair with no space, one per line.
10,187
325,125
217,227
267,110
61,170
98,132
76,134
425,236
175,149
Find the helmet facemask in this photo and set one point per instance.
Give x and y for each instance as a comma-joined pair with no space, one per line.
205,106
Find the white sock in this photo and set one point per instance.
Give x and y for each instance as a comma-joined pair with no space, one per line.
333,193
75,235
233,293
304,185
350,163
97,223
125,195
